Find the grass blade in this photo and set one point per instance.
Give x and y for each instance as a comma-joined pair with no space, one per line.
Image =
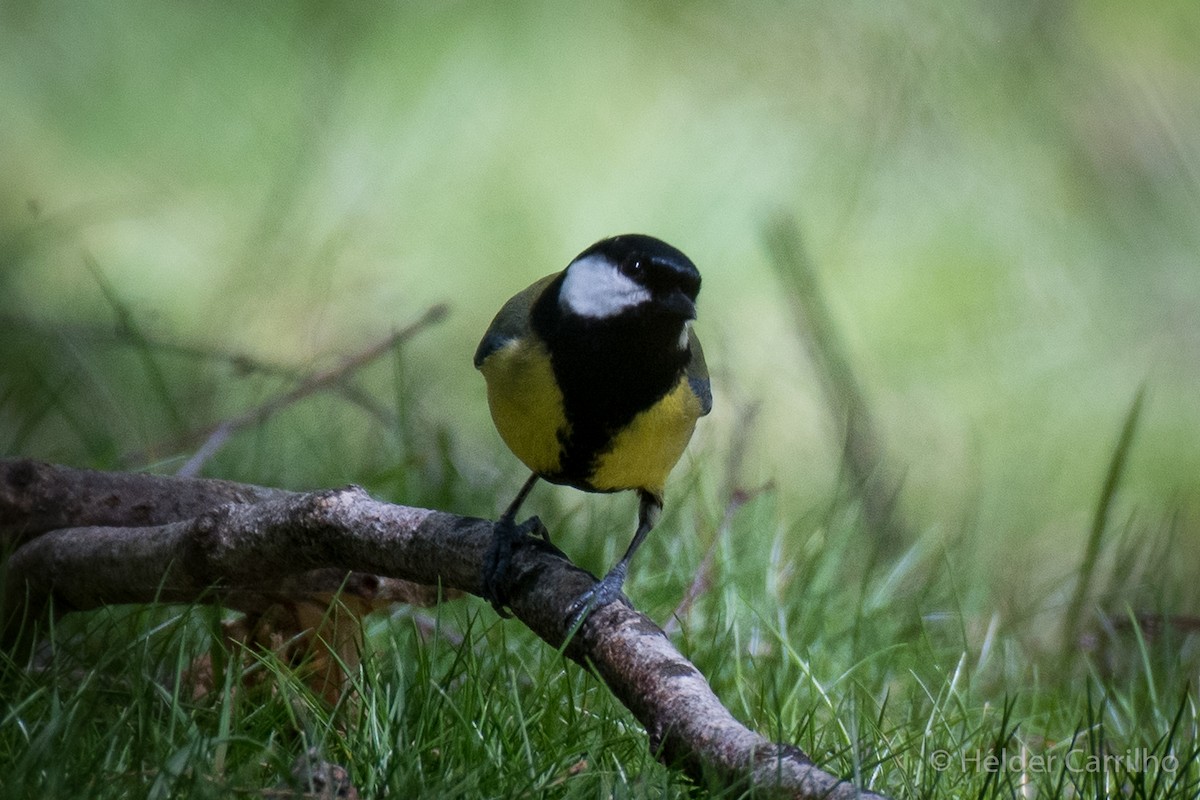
1116,469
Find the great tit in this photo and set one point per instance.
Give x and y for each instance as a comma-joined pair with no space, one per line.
595,380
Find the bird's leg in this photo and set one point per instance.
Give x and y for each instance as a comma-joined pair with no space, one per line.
505,533
609,587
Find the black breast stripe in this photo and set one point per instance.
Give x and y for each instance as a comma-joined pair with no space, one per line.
608,370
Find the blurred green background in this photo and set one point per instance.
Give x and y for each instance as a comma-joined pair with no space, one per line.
1002,202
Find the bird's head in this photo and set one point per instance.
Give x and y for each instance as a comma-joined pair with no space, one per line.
631,274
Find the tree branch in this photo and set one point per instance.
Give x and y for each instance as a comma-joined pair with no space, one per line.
92,538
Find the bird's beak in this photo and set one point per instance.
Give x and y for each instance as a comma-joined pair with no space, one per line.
679,304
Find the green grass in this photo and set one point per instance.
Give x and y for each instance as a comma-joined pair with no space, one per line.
906,671
895,673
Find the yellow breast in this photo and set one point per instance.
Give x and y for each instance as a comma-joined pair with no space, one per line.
526,403
642,455
527,407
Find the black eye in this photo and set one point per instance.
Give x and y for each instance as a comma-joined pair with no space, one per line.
632,267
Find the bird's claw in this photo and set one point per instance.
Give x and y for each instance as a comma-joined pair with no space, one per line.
498,561
496,564
601,594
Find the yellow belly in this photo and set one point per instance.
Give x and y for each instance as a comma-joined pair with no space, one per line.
643,454
527,407
526,403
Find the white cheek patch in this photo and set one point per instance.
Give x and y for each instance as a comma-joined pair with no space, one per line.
595,288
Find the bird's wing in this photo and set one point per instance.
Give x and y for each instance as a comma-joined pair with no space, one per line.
697,374
512,321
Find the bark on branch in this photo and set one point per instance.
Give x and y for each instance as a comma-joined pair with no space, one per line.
88,538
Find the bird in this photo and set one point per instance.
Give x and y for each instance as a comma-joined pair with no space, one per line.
595,380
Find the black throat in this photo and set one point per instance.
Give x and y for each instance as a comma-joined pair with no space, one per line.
608,370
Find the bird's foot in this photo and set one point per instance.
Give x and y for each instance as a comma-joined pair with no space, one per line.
601,594
498,561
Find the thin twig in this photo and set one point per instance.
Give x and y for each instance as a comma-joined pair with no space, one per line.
703,580
241,363
213,437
